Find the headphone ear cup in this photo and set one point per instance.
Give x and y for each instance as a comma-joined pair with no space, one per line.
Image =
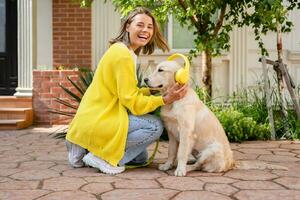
182,76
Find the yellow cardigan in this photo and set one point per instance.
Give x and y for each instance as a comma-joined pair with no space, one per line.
101,122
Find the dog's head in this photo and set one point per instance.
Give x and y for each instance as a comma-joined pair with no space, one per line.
164,75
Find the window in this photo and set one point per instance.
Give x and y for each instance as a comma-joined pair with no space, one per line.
179,37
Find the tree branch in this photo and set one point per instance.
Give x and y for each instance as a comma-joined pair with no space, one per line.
220,20
194,18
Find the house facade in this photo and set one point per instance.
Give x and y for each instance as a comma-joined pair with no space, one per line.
39,36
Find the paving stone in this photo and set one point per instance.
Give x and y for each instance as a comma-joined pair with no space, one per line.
4,179
196,195
21,194
244,156
260,144
277,158
220,188
181,183
103,179
8,165
19,185
30,168
290,146
217,179
142,173
17,152
97,188
78,195
54,156
200,174
14,158
256,175
254,151
131,184
145,194
285,153
268,195
35,174
63,183
257,185
36,165
234,145
61,168
8,172
295,151
82,172
290,182
5,147
293,170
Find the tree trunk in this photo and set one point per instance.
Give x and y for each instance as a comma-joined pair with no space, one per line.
206,72
282,102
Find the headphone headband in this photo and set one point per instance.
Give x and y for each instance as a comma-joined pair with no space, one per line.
182,75
179,55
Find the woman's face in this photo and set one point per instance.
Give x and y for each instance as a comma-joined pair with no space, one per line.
140,31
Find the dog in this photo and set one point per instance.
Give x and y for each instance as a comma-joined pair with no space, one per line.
193,129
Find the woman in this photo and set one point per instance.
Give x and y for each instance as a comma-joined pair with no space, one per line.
111,122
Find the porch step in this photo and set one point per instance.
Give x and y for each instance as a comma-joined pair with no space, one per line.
12,124
15,102
15,113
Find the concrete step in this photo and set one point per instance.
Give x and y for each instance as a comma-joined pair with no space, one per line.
13,124
16,113
15,102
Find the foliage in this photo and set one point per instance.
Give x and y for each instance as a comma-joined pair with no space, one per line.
83,3
265,15
239,127
85,79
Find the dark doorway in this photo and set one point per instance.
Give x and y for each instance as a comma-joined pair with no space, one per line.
8,47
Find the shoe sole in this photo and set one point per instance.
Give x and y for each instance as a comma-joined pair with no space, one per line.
89,162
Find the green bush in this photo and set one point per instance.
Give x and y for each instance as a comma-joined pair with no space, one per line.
239,127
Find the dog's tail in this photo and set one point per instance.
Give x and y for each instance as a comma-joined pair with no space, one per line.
243,164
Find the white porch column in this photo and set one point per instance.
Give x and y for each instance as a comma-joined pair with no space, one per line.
238,60
24,88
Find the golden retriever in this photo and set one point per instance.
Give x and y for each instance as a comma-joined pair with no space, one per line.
192,128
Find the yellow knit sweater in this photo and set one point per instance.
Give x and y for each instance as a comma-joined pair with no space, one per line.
101,122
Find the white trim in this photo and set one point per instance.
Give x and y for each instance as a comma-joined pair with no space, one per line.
170,31
105,25
24,48
44,31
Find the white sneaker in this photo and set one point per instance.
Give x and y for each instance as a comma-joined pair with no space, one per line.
96,162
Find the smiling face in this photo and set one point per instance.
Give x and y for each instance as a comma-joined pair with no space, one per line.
140,31
164,75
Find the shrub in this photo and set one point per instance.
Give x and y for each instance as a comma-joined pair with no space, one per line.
239,127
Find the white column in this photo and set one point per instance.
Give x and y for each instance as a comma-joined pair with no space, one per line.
238,60
24,88
105,25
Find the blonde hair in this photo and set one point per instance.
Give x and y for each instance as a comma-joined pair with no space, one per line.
156,40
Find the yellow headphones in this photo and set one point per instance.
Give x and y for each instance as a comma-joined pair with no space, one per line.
182,75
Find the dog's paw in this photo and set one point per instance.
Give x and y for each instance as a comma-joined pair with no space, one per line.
165,167
180,172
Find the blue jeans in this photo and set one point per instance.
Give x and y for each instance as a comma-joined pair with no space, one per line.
142,131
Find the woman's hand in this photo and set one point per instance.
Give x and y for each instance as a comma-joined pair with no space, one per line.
175,93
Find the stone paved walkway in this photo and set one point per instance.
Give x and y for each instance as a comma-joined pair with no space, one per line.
33,165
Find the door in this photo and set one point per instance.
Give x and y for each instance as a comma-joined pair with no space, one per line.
8,47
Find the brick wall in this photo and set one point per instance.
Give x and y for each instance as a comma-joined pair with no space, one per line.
71,34
45,89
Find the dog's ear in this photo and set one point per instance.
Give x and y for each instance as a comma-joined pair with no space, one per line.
182,75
